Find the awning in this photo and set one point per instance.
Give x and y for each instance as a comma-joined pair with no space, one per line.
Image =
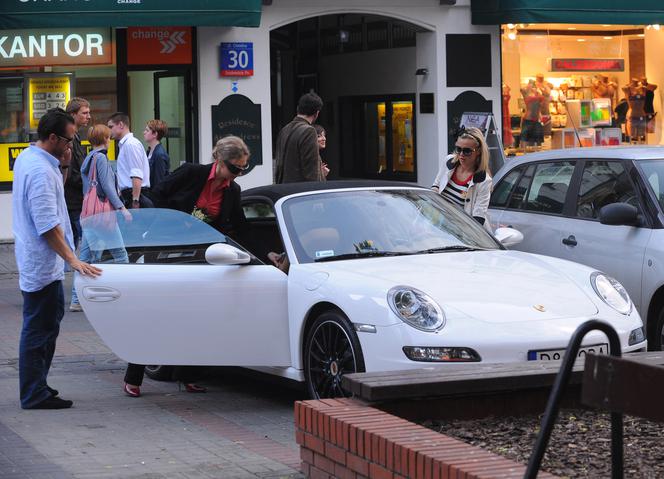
129,13
621,12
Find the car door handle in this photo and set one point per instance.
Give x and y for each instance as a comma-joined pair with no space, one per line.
570,241
100,293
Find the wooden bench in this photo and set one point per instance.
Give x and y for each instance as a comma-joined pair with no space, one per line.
465,391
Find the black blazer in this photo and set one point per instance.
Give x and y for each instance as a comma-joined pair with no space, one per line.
181,189
160,163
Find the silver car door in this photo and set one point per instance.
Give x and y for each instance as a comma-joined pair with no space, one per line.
618,251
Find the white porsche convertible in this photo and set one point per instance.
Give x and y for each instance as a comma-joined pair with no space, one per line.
382,277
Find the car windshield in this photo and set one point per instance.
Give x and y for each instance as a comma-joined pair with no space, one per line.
364,223
152,235
653,172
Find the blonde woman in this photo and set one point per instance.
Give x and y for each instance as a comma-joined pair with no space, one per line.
463,177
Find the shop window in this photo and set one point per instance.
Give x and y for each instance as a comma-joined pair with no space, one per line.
13,125
549,187
468,60
603,183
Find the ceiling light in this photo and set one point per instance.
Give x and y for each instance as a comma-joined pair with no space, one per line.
641,35
571,28
511,35
580,39
608,38
606,25
511,26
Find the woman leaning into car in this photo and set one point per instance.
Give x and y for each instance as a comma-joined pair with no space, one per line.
463,177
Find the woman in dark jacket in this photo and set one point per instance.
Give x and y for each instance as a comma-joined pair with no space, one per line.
159,161
209,192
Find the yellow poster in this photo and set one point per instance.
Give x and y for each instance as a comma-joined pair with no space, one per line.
45,93
10,151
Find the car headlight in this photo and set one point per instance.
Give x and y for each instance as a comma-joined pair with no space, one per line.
416,308
612,292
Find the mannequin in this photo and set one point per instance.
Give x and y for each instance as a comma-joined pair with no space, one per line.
603,88
636,117
649,107
531,128
508,139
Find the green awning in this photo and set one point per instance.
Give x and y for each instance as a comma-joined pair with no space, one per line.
621,12
129,13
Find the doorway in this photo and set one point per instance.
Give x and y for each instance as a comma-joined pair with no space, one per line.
378,137
163,95
363,67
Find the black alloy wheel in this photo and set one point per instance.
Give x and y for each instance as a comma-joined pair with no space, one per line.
159,373
331,349
656,341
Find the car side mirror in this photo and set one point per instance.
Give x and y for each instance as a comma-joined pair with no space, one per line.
221,253
508,236
619,214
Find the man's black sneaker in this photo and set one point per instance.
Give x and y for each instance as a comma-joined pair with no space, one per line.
54,392
53,403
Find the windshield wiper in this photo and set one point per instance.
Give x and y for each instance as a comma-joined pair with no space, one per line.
442,249
363,254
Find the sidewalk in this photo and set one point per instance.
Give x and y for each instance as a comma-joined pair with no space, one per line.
242,428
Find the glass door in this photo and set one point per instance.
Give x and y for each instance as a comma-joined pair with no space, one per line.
172,104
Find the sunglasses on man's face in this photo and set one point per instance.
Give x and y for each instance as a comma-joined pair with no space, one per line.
464,151
236,170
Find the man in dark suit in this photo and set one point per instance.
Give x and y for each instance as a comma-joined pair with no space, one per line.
209,192
297,155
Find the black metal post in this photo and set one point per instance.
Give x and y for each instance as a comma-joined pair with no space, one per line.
553,404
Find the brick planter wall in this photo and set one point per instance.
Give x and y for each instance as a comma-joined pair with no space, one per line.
342,438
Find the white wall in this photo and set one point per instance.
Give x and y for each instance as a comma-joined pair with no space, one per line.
430,54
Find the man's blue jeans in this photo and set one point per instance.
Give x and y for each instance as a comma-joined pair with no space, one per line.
42,312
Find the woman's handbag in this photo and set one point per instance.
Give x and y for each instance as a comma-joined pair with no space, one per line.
96,212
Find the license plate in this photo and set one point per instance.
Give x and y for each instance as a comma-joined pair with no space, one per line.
558,354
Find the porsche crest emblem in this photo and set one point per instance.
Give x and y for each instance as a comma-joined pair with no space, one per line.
539,307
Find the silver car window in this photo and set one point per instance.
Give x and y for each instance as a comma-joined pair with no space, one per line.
603,183
653,171
549,187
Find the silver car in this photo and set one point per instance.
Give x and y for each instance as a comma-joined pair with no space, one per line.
603,207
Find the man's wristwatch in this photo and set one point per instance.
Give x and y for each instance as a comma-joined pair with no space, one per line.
135,201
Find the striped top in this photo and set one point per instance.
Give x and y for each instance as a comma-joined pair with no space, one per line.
456,190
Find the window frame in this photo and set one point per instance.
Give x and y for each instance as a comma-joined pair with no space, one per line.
634,175
573,186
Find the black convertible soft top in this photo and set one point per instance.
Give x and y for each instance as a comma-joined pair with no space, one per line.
275,192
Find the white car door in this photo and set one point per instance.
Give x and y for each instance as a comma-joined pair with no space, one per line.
536,204
168,306
618,251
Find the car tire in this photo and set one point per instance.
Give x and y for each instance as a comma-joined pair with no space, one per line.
159,373
656,341
331,349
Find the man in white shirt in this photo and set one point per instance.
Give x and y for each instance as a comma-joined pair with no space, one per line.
133,166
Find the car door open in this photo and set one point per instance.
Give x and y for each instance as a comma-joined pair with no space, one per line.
168,306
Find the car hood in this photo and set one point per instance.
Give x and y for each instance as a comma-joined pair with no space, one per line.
493,286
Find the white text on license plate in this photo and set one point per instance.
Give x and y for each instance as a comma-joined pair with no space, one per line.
558,354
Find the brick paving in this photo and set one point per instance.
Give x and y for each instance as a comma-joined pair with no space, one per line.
242,428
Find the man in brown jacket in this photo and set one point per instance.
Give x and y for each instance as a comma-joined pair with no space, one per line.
297,154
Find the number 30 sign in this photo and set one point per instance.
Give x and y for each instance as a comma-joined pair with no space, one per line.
237,59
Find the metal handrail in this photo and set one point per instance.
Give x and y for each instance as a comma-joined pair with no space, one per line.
553,405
